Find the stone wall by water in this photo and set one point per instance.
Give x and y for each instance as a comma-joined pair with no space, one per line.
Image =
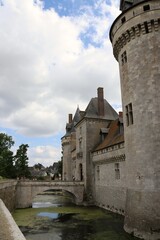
110,181
8,193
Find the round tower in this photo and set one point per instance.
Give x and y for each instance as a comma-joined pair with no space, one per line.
135,36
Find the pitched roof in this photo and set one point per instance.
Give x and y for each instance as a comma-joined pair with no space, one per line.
92,110
113,137
70,127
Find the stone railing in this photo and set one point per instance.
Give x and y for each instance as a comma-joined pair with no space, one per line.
8,228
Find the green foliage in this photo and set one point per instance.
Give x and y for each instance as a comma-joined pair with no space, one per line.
41,178
12,166
6,156
21,161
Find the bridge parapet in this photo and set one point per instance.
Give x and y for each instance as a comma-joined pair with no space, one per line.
27,190
8,228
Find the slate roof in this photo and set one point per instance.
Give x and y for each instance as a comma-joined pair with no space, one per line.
125,4
70,127
92,110
113,137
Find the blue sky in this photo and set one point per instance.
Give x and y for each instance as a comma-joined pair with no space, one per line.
54,56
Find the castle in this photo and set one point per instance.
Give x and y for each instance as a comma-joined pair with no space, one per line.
124,177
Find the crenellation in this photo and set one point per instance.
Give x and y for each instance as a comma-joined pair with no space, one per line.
140,90
133,32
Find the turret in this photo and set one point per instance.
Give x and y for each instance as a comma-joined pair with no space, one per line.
135,36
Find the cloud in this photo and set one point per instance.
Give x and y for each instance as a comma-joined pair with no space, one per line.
46,155
45,67
49,64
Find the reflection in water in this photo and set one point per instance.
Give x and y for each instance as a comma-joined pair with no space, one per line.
49,215
44,204
69,222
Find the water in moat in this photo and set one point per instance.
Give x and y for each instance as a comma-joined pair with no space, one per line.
54,217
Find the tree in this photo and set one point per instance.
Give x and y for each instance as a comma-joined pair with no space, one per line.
21,161
6,156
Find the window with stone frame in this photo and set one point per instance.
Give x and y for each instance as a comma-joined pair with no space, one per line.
117,171
123,20
80,144
98,173
129,114
124,57
146,7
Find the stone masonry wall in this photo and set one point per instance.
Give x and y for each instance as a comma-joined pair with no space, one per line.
110,181
8,193
135,37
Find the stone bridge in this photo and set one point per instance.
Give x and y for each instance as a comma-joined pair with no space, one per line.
27,190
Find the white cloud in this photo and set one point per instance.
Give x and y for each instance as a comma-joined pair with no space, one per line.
46,155
46,70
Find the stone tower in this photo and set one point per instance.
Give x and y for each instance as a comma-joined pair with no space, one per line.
135,36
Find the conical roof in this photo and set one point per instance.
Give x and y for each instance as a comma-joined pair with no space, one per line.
70,127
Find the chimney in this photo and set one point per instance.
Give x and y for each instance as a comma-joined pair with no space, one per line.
121,114
69,118
100,101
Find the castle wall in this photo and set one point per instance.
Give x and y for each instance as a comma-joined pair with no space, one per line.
110,180
135,37
88,132
68,144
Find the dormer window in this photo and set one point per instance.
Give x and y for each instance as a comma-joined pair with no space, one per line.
125,4
103,133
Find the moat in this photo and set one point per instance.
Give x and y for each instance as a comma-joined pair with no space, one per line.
55,217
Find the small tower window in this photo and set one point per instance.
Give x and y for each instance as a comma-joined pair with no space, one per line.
98,173
80,144
146,27
146,8
117,171
129,114
124,57
123,20
80,130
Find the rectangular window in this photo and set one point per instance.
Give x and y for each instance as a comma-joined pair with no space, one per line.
124,57
146,8
80,144
80,130
129,114
98,173
123,20
117,171
146,27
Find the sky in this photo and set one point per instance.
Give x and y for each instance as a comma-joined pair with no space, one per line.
54,54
